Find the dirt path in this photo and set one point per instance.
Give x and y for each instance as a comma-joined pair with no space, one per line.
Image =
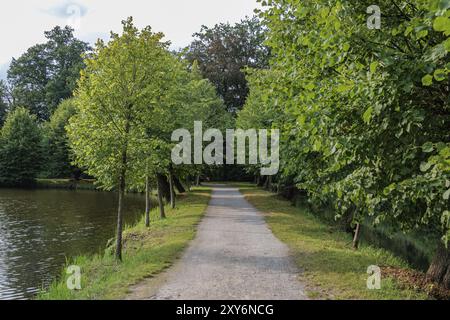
235,256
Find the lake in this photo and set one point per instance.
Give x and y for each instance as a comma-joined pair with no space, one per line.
39,229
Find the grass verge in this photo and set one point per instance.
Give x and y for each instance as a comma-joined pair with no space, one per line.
331,269
147,252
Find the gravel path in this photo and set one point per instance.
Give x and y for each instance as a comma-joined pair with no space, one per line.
234,257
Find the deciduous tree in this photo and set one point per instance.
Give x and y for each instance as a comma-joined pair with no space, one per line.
117,91
47,73
3,102
224,52
20,149
364,113
58,153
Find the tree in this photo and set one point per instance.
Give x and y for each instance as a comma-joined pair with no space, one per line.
189,98
20,149
3,102
47,73
365,113
59,155
261,109
224,52
147,200
162,211
117,92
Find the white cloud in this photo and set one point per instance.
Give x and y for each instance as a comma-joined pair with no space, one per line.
23,22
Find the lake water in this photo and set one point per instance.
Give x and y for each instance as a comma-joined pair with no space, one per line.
39,229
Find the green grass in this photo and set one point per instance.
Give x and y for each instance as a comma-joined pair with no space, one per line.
147,252
331,269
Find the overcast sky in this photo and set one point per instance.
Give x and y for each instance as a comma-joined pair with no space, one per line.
23,22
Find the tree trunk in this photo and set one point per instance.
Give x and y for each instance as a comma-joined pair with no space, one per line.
188,184
262,181
268,183
258,179
147,201
172,190
120,206
162,213
197,181
439,270
355,244
164,186
178,185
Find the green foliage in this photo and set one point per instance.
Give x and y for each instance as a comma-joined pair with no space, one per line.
3,103
122,84
20,149
261,110
224,52
57,150
47,73
186,99
132,95
364,114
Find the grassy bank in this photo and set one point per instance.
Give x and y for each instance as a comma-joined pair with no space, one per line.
147,252
331,268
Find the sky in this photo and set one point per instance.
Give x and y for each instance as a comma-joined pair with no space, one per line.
23,22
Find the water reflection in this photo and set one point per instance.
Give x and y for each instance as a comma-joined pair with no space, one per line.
40,228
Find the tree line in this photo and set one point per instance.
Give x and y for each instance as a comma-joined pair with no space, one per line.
108,112
364,113
35,107
132,95
117,126
44,78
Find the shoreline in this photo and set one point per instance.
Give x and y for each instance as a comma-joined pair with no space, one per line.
147,253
